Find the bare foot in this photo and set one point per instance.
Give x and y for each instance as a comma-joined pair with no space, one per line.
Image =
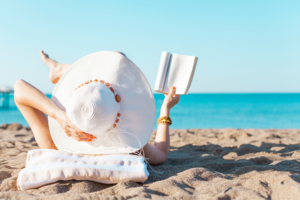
56,69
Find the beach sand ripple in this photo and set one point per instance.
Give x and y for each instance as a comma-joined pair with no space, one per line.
202,164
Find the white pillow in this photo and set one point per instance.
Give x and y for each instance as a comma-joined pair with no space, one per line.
45,166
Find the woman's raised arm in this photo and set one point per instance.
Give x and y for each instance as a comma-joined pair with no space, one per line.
158,153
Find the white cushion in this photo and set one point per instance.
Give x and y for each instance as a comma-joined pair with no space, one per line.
45,166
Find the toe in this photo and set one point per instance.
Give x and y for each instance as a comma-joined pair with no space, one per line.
43,54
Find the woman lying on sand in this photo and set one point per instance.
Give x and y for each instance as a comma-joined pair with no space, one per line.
34,106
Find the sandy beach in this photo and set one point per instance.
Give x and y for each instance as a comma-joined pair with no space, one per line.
203,164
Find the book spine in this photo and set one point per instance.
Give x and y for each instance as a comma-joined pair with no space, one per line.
162,70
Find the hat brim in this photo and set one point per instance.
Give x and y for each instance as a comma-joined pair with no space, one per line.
137,103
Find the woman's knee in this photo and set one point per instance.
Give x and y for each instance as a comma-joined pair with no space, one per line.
18,85
18,88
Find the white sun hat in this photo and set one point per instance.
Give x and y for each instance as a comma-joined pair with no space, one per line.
106,95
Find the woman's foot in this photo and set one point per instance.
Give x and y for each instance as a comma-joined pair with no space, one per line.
56,69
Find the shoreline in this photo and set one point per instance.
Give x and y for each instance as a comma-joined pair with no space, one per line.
202,163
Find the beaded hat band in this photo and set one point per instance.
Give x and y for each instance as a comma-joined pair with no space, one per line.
117,97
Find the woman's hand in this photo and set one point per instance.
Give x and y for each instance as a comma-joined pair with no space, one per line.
171,99
71,130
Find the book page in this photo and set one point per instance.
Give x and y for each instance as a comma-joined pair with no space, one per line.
162,71
180,73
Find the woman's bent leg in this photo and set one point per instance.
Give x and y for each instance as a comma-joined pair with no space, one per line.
36,119
57,69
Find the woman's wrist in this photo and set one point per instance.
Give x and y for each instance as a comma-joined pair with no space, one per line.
164,111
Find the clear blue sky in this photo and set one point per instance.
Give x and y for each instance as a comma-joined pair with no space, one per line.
242,46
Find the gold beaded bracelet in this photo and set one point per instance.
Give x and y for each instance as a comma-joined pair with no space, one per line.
164,120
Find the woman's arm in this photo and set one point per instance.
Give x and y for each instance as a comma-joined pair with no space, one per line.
158,153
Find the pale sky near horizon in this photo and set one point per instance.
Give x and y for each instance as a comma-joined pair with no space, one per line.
242,46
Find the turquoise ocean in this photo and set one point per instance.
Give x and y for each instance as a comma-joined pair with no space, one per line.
279,111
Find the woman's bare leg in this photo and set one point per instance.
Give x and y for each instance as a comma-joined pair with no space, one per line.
34,106
36,119
58,69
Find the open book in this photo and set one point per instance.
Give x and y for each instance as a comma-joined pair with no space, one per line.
175,70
